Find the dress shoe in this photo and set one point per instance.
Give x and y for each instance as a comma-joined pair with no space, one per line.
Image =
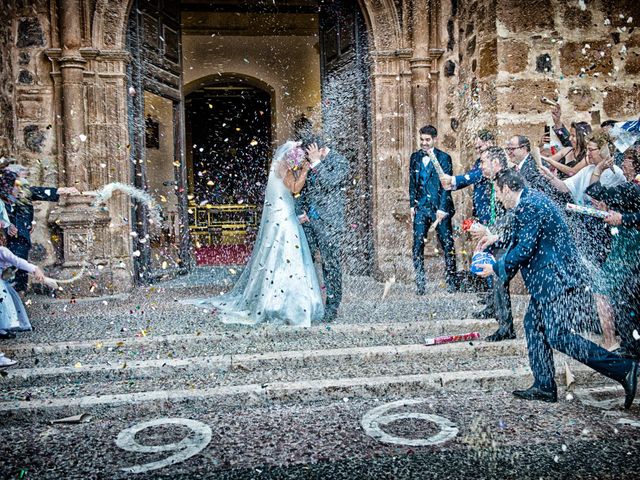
6,362
624,353
630,383
420,292
329,317
5,335
500,335
534,393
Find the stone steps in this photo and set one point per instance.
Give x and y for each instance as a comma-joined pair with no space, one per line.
301,375
148,401
236,341
269,364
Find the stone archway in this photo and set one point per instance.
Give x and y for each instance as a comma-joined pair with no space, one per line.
395,69
110,22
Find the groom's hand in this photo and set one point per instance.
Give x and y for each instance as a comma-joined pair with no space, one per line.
314,153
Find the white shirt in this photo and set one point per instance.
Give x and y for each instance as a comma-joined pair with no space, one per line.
579,183
522,162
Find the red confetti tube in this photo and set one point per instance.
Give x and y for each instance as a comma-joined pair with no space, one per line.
465,337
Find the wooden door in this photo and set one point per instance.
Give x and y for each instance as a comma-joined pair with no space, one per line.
156,126
346,105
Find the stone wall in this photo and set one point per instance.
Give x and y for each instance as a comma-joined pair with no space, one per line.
29,128
6,89
588,59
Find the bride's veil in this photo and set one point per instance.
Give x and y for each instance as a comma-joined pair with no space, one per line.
275,194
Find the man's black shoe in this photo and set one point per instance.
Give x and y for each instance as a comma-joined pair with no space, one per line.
623,352
329,317
630,383
420,292
500,335
534,393
5,335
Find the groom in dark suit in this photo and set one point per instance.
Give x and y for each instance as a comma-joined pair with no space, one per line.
320,208
542,247
430,203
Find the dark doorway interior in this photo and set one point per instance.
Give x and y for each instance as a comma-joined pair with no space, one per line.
229,130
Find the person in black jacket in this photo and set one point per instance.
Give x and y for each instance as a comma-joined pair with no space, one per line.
620,274
21,217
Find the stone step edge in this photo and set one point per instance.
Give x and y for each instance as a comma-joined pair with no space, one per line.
424,327
310,390
245,361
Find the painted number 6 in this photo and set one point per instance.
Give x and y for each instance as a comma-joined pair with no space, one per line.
377,417
185,448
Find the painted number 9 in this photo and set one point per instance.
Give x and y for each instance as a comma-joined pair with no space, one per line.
184,449
376,418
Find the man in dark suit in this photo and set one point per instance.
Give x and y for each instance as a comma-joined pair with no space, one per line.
543,249
430,203
483,208
21,218
320,206
519,150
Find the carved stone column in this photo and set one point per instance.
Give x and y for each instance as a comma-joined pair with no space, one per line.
393,142
421,64
85,230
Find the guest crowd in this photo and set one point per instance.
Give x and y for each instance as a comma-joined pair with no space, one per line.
16,225
568,218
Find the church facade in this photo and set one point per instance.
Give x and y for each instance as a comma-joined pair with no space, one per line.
188,99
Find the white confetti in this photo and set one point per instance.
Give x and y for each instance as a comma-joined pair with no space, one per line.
83,137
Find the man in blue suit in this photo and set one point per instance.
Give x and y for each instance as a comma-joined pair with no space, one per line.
483,202
542,247
481,184
430,203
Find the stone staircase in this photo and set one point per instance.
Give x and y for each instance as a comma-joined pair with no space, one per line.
94,355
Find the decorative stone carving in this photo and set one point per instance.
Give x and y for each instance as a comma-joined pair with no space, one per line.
25,77
34,138
29,33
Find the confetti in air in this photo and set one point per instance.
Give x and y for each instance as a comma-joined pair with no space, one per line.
102,196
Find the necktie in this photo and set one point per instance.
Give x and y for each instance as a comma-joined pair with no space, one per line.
492,211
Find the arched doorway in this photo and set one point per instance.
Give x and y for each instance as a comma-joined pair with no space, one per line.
344,95
228,125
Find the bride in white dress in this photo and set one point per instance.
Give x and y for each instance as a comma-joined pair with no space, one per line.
279,283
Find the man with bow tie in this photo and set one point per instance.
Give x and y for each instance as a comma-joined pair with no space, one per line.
431,204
